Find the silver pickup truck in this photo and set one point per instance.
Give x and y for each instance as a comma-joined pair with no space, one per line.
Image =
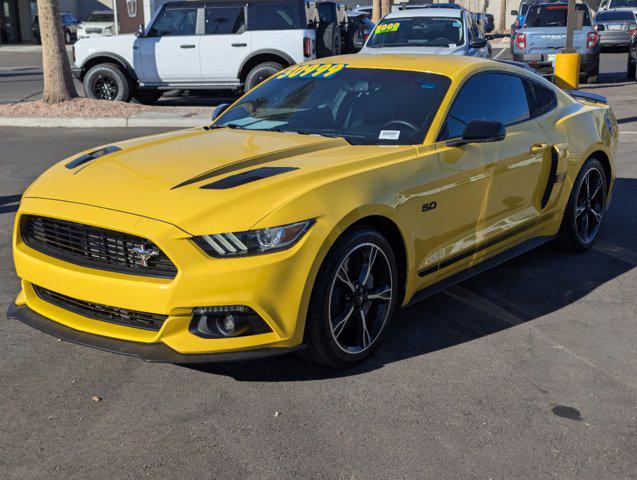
544,34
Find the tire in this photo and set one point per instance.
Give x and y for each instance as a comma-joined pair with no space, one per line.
107,81
631,69
67,37
579,209
594,75
261,72
343,343
328,37
147,97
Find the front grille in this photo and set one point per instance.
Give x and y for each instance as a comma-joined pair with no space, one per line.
95,247
97,311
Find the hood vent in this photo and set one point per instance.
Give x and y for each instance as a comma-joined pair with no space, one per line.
247,177
87,157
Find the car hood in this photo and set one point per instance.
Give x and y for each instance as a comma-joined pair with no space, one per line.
104,43
415,50
161,176
96,24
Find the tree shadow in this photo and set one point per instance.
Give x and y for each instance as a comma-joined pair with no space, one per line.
531,286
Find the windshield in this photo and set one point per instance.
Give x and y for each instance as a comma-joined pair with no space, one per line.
623,4
100,17
363,105
555,16
418,32
610,15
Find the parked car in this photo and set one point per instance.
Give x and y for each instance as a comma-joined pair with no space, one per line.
69,27
543,35
631,66
486,21
446,31
289,225
99,23
359,27
615,28
520,15
199,46
332,28
366,10
615,4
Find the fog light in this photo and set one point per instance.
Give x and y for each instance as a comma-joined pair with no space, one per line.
228,325
226,321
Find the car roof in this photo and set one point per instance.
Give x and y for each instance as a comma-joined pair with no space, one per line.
427,12
448,65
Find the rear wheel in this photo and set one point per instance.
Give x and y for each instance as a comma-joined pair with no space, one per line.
106,81
353,300
261,72
631,68
585,208
67,37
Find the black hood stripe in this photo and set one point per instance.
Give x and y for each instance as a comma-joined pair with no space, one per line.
264,158
247,177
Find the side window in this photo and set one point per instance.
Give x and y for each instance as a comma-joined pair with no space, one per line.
175,22
505,102
541,99
225,20
276,16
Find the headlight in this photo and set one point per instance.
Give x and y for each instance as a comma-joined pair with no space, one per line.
253,242
108,30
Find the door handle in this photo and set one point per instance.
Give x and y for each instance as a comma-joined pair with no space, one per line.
188,45
538,147
239,44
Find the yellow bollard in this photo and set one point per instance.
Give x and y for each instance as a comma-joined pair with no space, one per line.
567,70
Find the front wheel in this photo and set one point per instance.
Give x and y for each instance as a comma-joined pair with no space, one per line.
67,37
585,209
106,81
354,297
631,68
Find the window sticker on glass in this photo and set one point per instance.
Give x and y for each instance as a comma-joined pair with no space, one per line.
313,70
457,24
387,27
389,135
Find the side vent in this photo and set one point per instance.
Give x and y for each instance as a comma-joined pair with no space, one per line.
552,178
87,157
247,177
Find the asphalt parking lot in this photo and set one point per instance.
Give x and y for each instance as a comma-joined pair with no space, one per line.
528,371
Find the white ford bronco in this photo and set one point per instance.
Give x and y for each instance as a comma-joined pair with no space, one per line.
199,45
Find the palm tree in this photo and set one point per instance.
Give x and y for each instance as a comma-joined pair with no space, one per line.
58,81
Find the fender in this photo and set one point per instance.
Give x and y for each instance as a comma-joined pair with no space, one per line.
266,51
113,56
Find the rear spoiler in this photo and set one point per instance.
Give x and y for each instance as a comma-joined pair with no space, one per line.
587,97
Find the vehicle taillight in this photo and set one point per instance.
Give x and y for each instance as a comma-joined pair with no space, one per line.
591,39
520,41
365,37
632,28
307,47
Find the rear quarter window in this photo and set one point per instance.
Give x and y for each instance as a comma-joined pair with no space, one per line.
276,16
541,99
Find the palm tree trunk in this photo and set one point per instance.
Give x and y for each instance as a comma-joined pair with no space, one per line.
376,14
58,81
386,7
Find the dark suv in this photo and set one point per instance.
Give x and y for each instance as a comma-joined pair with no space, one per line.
69,26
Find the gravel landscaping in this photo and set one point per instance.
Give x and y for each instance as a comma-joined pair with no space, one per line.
88,108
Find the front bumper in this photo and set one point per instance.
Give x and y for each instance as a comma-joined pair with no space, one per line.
149,352
276,286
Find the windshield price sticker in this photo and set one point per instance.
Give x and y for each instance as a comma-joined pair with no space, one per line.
315,70
389,135
387,27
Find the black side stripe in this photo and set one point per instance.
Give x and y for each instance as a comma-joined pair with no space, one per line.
483,246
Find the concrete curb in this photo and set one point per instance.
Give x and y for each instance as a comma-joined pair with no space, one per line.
110,122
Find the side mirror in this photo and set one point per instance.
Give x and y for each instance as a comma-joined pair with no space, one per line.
140,30
480,131
514,12
218,110
479,43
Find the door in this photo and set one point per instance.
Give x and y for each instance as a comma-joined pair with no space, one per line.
226,43
492,192
170,51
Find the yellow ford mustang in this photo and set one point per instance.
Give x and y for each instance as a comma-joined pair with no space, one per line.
311,209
